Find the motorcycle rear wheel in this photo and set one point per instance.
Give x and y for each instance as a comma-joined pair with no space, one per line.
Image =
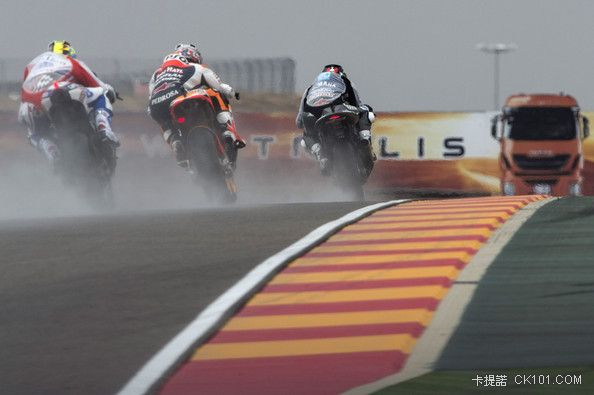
209,171
346,170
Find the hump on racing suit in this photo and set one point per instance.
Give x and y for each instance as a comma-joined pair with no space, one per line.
50,67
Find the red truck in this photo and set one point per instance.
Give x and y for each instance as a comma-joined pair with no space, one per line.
540,137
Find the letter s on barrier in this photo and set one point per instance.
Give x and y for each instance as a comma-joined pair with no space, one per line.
454,147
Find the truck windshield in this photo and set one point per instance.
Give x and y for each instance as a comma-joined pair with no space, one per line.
538,123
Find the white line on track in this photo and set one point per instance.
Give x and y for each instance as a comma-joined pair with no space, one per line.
217,312
451,309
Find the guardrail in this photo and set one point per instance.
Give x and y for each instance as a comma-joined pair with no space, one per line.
275,75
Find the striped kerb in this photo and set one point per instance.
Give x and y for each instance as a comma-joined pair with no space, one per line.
349,311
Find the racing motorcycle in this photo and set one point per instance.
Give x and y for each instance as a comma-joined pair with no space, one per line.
336,127
194,116
86,162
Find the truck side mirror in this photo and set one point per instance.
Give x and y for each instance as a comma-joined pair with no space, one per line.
494,122
586,127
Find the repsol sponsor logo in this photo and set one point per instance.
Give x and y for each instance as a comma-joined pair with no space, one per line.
166,96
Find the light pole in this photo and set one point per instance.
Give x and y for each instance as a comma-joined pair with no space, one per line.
496,49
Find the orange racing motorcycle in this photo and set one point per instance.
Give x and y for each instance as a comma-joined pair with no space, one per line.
194,117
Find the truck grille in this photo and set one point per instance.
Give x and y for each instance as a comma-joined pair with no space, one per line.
551,181
551,163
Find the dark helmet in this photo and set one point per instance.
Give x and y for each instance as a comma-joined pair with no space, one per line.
190,52
334,68
62,47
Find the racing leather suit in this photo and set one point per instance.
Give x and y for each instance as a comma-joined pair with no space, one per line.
61,68
311,138
174,78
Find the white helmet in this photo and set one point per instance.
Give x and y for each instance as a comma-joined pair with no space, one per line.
190,52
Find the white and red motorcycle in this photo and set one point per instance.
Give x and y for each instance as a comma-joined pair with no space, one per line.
87,161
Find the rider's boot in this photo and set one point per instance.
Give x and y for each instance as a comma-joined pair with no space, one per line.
316,151
108,139
177,146
103,123
51,152
367,154
232,141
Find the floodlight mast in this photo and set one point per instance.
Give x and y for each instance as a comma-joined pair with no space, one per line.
496,49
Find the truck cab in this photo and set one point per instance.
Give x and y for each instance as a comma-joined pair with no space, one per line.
540,138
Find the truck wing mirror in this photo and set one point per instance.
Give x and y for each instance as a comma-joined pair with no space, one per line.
586,127
494,122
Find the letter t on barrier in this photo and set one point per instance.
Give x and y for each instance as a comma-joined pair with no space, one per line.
263,143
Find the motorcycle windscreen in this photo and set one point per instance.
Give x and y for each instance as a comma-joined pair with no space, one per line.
327,88
41,82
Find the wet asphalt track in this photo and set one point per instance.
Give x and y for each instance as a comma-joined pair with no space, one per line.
85,301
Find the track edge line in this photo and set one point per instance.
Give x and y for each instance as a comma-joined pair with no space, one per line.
209,320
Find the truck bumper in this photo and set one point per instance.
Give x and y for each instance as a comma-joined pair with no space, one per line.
541,185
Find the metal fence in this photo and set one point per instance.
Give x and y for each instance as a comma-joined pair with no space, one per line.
275,75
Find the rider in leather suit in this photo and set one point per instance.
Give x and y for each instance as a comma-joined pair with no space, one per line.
60,59
180,72
311,139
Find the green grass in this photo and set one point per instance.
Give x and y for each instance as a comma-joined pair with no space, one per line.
533,307
461,382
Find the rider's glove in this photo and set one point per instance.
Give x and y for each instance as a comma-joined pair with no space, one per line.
112,94
369,110
227,90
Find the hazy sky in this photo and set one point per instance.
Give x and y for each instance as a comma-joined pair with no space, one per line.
402,54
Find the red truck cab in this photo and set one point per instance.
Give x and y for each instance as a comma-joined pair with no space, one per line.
540,137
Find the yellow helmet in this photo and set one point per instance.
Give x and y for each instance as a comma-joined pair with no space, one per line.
62,47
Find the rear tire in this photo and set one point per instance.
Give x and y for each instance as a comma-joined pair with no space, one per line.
346,170
210,173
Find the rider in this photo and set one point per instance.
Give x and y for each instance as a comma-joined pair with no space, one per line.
60,59
311,138
181,71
